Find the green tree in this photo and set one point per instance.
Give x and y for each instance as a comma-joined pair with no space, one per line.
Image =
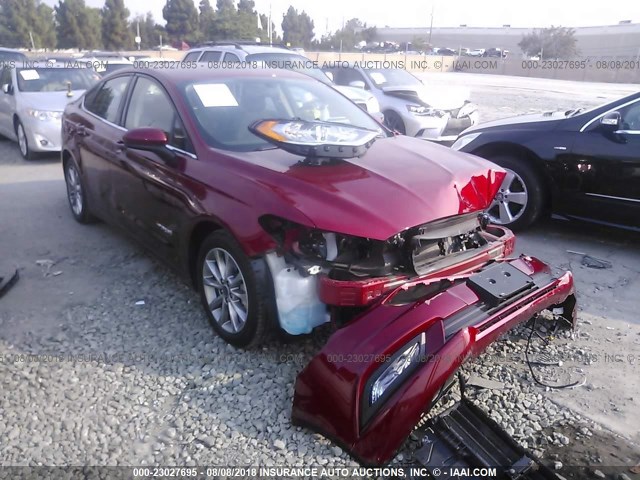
182,20
297,28
206,19
225,24
115,28
353,32
247,22
150,31
46,30
553,42
20,20
91,27
77,26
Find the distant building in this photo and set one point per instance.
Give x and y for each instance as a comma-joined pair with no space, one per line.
622,40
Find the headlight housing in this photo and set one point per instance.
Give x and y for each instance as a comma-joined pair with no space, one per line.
44,115
422,110
408,358
316,139
465,140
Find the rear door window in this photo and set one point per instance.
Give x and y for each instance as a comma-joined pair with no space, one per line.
191,57
106,101
211,56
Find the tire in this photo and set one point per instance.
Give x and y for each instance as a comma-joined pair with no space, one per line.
393,121
227,291
522,196
76,193
23,142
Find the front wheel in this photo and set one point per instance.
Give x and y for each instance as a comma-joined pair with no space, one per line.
76,193
394,122
234,299
521,197
23,141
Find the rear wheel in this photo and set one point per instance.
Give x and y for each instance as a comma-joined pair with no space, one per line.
393,121
521,197
234,299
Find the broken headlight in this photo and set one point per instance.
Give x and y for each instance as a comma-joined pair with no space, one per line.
341,256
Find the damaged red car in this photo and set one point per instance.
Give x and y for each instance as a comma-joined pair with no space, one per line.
288,207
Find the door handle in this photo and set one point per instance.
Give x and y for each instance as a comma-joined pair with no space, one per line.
81,130
120,146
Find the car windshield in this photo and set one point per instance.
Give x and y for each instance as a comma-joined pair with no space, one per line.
287,61
225,108
390,77
12,57
55,79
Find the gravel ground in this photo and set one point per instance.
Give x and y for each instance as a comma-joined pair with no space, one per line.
91,377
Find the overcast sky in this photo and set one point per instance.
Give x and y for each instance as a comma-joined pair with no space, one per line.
417,13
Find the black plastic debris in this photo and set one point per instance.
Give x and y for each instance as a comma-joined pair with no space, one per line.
464,439
7,281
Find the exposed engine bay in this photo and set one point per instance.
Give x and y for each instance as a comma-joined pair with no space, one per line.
415,251
312,269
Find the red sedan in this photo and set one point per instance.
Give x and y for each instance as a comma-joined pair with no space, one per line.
287,207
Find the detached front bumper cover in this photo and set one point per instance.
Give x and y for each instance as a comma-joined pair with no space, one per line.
450,319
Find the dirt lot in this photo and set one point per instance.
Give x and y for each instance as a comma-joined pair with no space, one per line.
151,384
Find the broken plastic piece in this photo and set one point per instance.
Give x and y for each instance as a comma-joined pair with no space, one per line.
8,281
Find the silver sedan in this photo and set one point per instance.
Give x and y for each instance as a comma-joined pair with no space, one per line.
409,106
32,100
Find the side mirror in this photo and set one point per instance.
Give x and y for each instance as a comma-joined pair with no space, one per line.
611,121
6,88
150,140
357,84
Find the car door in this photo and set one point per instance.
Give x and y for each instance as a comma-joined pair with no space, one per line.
152,197
7,103
603,175
99,136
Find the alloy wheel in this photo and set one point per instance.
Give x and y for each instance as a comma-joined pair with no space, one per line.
22,141
74,189
225,290
511,200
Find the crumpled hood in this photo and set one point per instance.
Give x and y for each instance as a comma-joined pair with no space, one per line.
399,183
447,98
50,101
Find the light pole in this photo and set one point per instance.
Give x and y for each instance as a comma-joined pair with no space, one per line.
433,5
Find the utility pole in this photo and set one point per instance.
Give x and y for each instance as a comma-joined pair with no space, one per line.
33,45
433,5
341,34
138,39
269,30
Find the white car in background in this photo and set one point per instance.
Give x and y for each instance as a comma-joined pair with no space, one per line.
32,101
409,106
220,53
